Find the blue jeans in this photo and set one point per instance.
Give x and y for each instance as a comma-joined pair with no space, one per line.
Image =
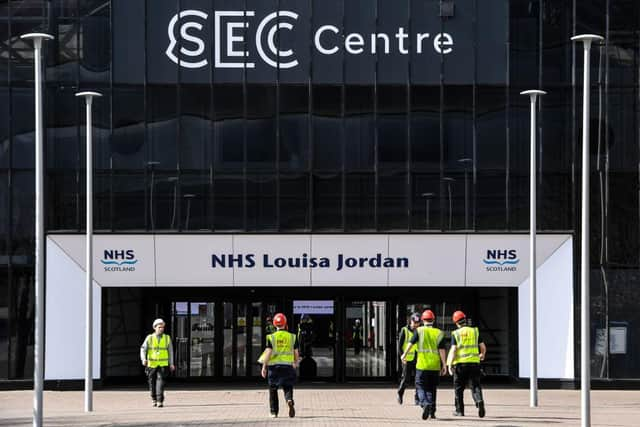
426,386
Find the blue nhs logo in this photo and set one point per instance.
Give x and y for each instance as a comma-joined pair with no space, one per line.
501,260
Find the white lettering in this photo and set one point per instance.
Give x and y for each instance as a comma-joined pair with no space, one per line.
401,36
219,14
419,38
354,39
316,40
384,38
440,40
183,33
231,39
271,39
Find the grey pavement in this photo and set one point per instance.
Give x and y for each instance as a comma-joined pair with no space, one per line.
316,406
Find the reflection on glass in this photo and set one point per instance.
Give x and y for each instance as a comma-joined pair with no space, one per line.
241,340
227,340
313,323
202,343
256,337
365,332
180,326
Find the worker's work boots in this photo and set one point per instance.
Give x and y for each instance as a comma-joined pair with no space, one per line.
459,408
481,410
426,411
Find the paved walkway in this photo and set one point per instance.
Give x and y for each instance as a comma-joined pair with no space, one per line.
323,406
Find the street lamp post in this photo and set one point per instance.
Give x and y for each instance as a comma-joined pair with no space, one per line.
88,361
427,197
38,347
585,348
533,306
465,162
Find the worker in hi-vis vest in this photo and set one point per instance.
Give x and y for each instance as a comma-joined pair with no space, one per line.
466,352
409,362
156,354
430,345
279,361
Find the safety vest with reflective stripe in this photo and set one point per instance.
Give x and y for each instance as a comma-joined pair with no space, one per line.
282,343
408,334
429,339
158,350
467,350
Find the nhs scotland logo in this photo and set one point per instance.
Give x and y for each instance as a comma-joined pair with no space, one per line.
119,260
501,260
234,46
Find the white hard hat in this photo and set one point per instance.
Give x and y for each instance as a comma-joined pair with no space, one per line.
157,322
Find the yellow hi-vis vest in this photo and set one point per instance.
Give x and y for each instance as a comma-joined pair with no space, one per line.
467,350
282,348
407,342
429,339
158,350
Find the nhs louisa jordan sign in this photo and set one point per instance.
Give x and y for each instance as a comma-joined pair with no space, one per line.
325,41
310,259
305,261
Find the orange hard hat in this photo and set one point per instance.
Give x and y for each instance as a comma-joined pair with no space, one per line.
279,320
428,315
458,316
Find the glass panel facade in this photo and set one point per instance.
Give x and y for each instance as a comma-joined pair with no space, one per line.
367,145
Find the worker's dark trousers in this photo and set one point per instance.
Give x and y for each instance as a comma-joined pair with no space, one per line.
463,373
157,377
427,387
280,376
408,374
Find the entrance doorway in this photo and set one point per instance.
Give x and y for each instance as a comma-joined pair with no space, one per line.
314,325
194,338
219,333
366,343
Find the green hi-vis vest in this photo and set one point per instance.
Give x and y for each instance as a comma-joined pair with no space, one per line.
282,348
158,350
429,339
407,342
467,350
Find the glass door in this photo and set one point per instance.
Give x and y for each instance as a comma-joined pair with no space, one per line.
314,325
202,327
246,325
194,333
365,338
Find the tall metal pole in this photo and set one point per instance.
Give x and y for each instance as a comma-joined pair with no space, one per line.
88,352
533,306
585,336
38,348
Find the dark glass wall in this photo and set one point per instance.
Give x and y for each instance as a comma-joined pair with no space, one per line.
309,156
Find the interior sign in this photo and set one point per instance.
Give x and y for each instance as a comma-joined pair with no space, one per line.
231,43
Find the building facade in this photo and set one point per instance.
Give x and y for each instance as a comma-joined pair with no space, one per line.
345,162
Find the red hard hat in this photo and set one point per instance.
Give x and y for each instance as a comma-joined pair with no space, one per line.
279,320
458,316
428,315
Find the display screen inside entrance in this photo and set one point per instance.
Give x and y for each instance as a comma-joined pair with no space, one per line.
312,307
